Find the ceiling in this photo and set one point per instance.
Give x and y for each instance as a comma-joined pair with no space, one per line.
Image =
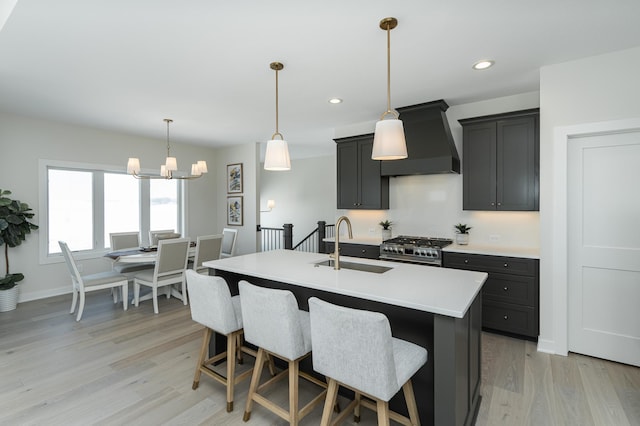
126,65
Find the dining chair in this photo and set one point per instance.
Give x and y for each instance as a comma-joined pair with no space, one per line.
171,262
153,235
207,248
124,240
354,348
85,283
229,237
127,240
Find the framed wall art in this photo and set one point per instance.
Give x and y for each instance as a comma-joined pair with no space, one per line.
234,178
234,210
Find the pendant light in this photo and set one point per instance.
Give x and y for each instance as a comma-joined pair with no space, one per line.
277,156
170,165
389,142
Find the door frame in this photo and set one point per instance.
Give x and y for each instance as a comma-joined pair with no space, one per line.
557,252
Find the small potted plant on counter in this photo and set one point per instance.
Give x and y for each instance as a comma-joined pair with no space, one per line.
386,229
14,227
462,233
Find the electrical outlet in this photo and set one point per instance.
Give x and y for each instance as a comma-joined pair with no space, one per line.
494,237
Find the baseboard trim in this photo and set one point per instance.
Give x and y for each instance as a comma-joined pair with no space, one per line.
548,346
37,295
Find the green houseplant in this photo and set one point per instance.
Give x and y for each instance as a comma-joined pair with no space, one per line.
462,233
14,227
386,229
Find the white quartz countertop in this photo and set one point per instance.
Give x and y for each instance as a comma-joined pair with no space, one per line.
494,250
441,291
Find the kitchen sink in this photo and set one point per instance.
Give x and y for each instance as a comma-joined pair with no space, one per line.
376,269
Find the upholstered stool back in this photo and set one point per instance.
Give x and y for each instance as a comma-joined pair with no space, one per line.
212,304
273,321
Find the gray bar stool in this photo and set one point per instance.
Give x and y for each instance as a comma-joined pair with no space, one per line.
354,348
273,322
213,307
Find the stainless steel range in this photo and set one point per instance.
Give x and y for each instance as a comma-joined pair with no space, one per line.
414,249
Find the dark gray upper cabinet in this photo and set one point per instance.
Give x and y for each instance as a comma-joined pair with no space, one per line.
360,185
501,163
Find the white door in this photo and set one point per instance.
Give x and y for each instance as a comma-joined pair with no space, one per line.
604,246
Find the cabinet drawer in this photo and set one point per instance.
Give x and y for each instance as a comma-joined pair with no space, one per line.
355,250
486,263
510,318
516,289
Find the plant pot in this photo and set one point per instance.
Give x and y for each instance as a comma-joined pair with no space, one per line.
462,239
386,234
8,299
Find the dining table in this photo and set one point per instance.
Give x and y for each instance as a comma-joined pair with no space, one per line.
144,255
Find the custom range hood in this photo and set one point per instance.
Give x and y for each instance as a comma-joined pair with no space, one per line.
430,146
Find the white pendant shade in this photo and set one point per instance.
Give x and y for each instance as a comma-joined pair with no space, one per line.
202,166
133,166
171,164
389,142
277,156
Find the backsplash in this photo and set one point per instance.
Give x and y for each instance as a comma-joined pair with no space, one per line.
430,205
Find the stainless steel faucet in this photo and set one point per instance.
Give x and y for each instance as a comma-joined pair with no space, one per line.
336,253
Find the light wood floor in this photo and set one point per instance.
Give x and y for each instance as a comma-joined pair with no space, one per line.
135,367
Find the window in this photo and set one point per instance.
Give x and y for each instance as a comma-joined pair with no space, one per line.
121,204
163,195
82,205
70,209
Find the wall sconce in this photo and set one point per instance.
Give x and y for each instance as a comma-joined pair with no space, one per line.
270,205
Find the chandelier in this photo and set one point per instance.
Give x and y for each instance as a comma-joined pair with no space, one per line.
170,165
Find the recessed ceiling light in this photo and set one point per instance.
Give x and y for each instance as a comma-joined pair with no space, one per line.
483,65
335,101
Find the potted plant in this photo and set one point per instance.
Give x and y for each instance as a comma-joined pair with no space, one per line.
386,229
462,233
14,227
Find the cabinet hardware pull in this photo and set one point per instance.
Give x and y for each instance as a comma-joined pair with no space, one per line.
493,204
506,317
364,251
506,265
499,204
466,261
506,289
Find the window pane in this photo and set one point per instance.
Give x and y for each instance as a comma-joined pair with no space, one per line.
121,204
163,204
70,209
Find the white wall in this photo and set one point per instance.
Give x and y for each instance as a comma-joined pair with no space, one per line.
430,205
596,89
303,195
249,156
24,141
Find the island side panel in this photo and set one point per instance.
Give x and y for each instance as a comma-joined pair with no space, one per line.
408,324
458,360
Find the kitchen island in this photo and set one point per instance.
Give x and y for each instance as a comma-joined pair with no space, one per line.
437,308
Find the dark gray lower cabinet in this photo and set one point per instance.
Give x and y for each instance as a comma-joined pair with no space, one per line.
355,250
511,293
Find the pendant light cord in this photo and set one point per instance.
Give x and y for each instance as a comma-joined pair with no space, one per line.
388,26
277,66
388,69
168,120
